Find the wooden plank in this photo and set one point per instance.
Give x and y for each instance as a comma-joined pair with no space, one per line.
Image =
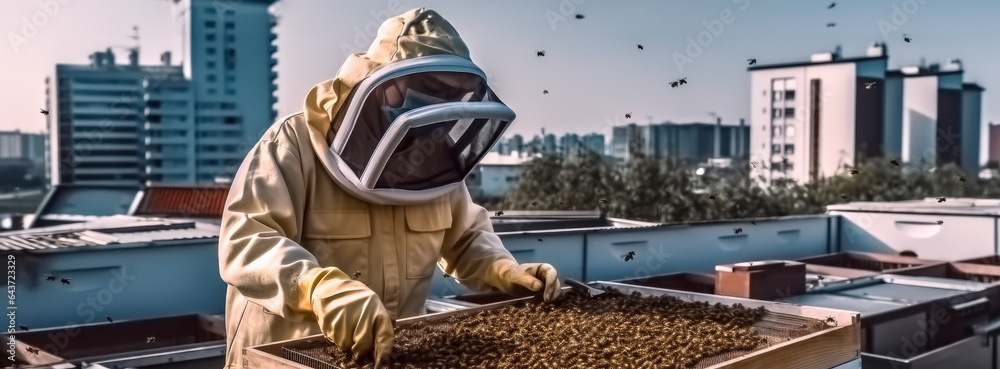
820,350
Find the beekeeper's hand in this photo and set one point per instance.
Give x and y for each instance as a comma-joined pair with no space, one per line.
515,278
348,312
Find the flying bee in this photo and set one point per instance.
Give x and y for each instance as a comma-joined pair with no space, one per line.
639,46
753,222
43,111
843,196
499,212
540,240
831,24
603,202
854,172
541,53
150,339
546,92
357,275
941,199
579,16
894,162
752,61
32,350
628,115
50,277
674,84
109,318
446,275
753,164
831,5
869,85
940,222
737,230
24,327
907,38
629,256
831,320
65,280
962,178
712,196
683,81
534,203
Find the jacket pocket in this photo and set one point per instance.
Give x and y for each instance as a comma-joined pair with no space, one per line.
339,238
426,225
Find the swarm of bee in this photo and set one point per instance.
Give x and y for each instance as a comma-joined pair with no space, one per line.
575,331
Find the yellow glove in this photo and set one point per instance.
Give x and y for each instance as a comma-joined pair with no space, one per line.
348,312
515,279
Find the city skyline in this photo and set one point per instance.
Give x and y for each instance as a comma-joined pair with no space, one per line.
598,47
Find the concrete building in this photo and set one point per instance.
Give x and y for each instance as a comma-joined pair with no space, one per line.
932,117
993,156
691,142
495,176
96,120
549,145
515,144
808,119
31,146
185,124
594,142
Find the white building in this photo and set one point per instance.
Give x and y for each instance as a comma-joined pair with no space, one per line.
495,176
932,117
810,119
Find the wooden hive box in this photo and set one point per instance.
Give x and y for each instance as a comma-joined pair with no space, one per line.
829,348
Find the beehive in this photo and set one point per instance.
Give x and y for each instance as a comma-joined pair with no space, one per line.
838,343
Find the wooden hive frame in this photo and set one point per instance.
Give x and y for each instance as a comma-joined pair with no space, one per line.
821,350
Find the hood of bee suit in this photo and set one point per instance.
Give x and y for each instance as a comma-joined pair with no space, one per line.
416,33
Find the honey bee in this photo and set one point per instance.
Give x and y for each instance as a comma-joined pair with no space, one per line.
737,230
831,320
150,339
50,277
65,280
109,318
499,212
32,350
629,256
357,275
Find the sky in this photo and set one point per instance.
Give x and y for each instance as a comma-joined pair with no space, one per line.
593,69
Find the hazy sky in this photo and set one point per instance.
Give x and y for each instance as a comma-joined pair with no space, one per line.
593,69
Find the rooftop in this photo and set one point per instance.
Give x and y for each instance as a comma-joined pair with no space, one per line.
116,230
811,63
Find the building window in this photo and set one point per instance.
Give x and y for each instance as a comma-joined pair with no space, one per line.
228,105
210,64
775,149
789,112
776,113
209,37
790,131
789,149
230,25
211,78
230,38
230,12
511,179
775,131
777,95
212,91
790,95
209,24
230,78
209,10
210,51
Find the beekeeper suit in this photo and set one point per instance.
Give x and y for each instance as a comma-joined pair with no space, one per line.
338,215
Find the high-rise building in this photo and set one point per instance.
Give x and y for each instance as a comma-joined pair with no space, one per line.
568,142
96,120
594,142
549,144
808,119
229,54
690,142
993,134
515,144
187,123
811,119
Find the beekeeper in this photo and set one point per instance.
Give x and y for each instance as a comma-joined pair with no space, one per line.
339,214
